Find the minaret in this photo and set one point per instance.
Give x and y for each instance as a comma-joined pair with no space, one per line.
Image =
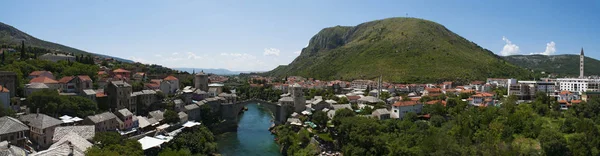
581,58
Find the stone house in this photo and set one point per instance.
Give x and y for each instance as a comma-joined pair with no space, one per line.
41,128
381,114
13,130
193,111
127,117
103,122
119,96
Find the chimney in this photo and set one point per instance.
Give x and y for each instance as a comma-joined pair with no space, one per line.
71,152
37,113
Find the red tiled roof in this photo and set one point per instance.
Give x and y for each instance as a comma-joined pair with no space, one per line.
4,89
405,103
65,79
564,92
152,85
120,70
170,78
102,73
434,90
448,83
436,101
477,82
38,73
353,97
84,78
100,94
562,101
467,91
575,101
42,79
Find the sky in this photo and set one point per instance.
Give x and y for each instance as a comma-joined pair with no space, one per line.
259,35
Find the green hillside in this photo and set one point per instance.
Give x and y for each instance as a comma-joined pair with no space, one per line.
564,65
12,36
401,49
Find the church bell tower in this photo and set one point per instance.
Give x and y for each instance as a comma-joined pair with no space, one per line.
581,59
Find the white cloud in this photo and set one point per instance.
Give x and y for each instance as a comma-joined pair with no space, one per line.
509,48
192,56
297,52
271,51
550,48
157,55
175,53
233,54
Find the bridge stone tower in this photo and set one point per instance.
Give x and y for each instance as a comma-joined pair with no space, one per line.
581,59
298,96
201,81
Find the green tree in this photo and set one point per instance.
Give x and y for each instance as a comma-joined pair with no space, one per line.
198,141
320,118
553,143
171,116
343,100
437,120
171,152
112,143
23,50
411,116
208,117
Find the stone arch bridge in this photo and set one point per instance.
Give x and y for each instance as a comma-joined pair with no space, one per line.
230,112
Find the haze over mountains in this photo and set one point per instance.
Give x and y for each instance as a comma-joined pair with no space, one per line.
219,71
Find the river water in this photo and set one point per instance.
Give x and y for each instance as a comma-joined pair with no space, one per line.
252,137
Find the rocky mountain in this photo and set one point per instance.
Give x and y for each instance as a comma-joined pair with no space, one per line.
405,50
10,35
563,65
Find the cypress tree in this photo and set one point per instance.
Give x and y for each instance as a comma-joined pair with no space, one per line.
23,50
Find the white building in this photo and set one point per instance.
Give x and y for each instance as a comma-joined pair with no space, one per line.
526,90
579,84
401,108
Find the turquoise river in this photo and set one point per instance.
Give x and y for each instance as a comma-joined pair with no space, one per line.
252,136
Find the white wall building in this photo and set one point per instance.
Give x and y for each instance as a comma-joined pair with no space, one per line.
579,84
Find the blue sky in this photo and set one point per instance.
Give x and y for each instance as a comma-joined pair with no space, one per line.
258,35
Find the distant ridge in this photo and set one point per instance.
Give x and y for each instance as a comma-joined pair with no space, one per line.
563,65
218,71
10,35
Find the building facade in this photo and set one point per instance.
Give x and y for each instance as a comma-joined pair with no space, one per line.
119,96
201,81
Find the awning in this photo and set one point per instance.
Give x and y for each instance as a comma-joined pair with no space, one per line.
150,142
190,124
65,117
